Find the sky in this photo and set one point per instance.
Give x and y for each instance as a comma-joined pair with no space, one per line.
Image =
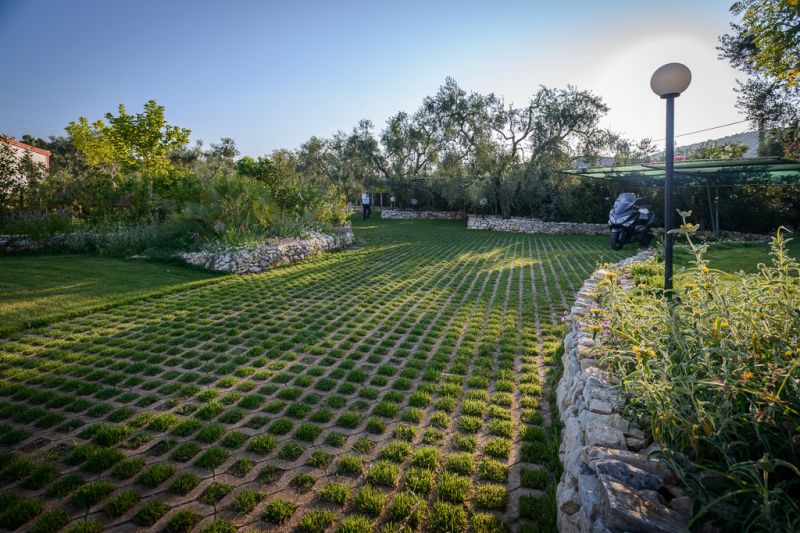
272,74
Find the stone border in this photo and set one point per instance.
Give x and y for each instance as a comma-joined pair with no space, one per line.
272,252
402,214
609,484
534,225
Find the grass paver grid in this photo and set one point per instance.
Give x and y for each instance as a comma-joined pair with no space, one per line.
221,403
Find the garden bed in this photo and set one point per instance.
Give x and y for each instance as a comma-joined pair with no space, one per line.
610,483
408,214
270,253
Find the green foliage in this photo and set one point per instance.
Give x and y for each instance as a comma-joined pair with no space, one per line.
51,521
316,521
349,465
383,473
183,521
121,503
246,501
150,513
129,143
156,474
713,375
369,500
491,497
279,511
184,483
19,513
355,524
334,492
408,508
447,518
454,488
215,491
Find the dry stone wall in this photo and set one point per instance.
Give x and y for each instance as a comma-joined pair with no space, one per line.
270,253
610,483
534,225
403,214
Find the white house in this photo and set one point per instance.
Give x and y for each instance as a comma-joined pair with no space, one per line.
37,154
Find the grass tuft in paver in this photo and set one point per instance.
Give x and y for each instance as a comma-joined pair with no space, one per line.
184,483
246,501
156,475
408,508
316,521
279,511
121,503
383,473
183,521
349,465
215,492
369,500
334,492
51,521
151,513
355,524
492,497
212,458
88,495
447,518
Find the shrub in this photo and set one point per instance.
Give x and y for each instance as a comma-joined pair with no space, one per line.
369,500
279,511
334,492
713,374
447,518
492,497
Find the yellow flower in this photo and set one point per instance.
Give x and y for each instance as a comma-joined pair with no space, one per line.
704,268
707,285
747,375
651,352
724,324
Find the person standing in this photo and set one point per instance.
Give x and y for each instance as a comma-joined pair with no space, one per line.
365,204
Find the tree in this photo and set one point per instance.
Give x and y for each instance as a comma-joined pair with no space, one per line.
130,143
766,47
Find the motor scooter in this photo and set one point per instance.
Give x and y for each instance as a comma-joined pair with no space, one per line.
630,222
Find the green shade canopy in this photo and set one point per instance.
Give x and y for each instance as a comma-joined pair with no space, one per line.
694,173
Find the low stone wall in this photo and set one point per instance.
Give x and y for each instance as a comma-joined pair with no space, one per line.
272,252
18,243
609,483
403,214
534,225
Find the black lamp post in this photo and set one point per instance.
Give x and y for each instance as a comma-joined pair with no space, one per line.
668,82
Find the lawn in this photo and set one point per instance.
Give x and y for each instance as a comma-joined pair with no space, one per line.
733,257
36,290
406,381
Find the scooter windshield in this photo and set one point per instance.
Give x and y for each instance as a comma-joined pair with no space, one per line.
625,200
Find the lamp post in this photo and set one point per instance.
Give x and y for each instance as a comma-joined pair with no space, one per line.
668,82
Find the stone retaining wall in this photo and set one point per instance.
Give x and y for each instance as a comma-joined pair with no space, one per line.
18,243
402,214
609,483
272,252
534,225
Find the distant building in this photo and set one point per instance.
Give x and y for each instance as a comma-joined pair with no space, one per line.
37,154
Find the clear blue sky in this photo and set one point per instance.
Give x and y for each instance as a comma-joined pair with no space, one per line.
271,74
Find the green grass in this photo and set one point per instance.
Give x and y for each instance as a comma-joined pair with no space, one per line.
733,257
309,366
40,289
